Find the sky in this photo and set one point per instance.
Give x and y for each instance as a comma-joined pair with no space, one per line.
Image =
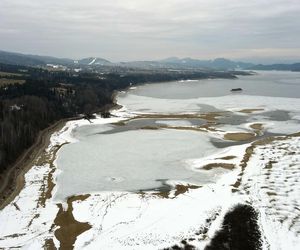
125,30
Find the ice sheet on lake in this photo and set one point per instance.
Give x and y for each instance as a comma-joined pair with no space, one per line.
276,84
142,104
131,160
175,123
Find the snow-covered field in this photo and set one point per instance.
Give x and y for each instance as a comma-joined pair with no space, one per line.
264,174
271,183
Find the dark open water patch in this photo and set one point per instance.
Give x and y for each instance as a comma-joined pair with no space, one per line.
232,119
150,122
277,115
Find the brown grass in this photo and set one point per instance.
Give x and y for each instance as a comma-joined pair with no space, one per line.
49,245
218,165
230,157
211,116
243,165
249,152
239,136
202,128
256,126
179,189
295,134
184,128
206,116
69,228
48,184
269,165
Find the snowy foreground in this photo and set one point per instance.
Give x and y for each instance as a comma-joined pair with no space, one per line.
268,180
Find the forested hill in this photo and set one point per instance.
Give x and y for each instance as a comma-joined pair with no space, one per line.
32,99
284,67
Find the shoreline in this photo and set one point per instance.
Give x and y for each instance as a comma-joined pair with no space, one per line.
118,219
13,178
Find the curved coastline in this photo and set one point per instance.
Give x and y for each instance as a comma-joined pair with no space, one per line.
235,186
13,178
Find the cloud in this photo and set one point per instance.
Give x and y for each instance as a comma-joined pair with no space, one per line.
146,29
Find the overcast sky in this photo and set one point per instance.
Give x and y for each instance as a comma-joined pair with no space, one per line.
122,30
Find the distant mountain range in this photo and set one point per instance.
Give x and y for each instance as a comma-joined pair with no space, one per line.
219,63
31,60
34,60
171,63
289,67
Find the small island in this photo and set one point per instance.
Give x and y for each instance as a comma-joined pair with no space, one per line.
237,89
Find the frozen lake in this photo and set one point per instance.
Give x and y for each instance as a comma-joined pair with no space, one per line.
214,94
131,158
265,83
132,161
